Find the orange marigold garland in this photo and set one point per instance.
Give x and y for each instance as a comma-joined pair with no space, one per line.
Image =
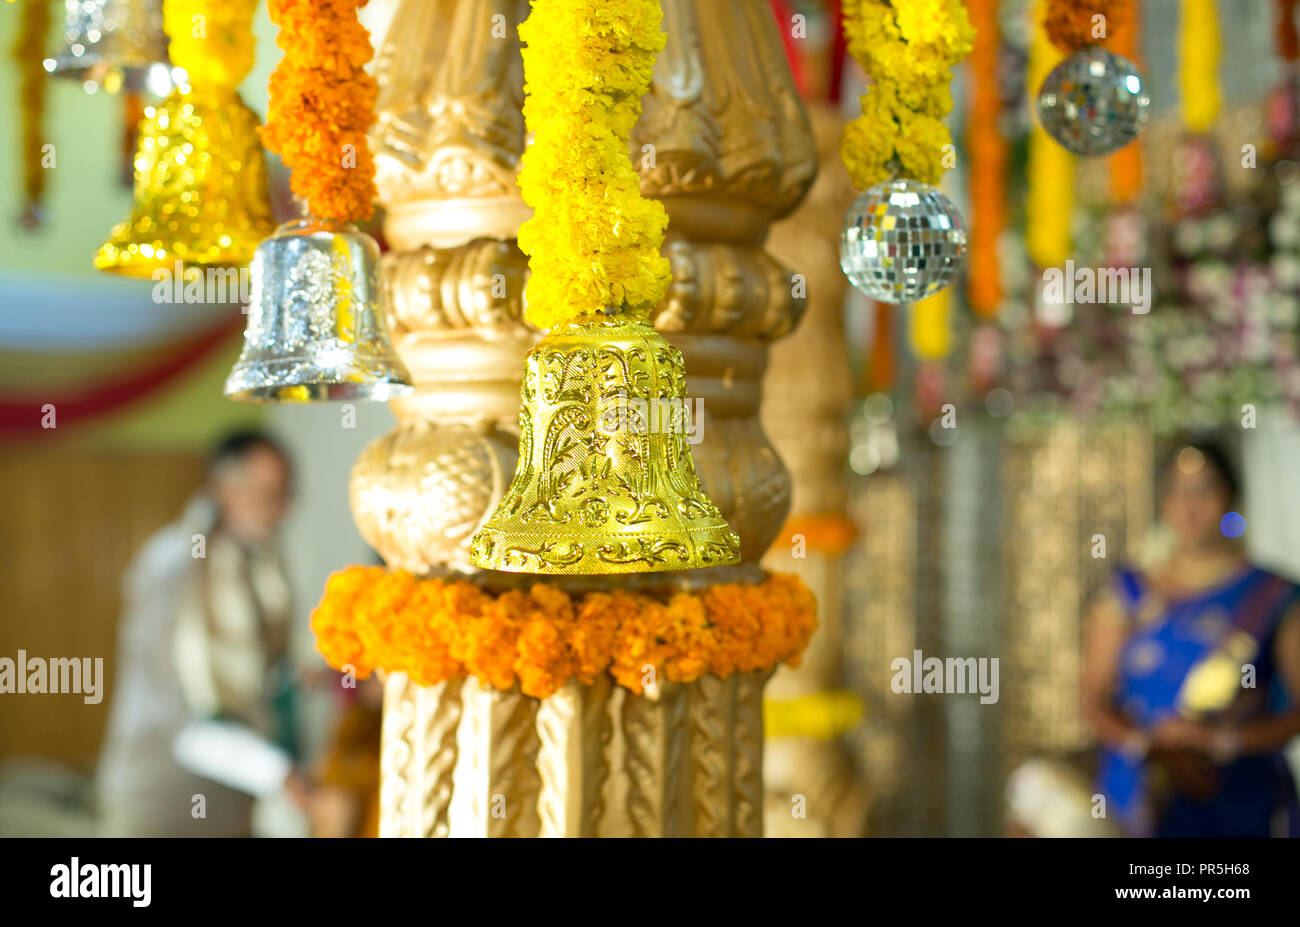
1126,164
1072,24
322,105
828,533
988,159
433,630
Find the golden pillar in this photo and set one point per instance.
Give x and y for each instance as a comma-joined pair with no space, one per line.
725,144
813,789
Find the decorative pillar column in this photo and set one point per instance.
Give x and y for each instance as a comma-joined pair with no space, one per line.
813,788
724,143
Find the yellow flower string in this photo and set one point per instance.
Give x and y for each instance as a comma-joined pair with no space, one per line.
28,52
1051,168
593,241
930,333
1199,64
541,638
212,40
909,48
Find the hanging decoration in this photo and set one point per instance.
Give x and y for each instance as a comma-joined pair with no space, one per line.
1199,65
605,480
1094,102
1198,180
1050,198
931,329
1287,38
114,45
902,239
988,164
1283,108
317,325
881,368
541,638
201,190
1126,164
28,50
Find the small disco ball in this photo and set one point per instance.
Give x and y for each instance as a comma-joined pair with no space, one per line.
1093,102
902,241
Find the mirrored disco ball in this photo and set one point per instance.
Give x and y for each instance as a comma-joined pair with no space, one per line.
1093,102
902,241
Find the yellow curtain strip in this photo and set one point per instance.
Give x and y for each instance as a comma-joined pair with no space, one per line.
931,334
1051,167
1199,64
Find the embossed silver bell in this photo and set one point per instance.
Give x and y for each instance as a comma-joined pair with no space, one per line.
316,320
114,43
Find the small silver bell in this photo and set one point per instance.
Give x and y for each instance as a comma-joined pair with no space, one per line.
113,43
316,327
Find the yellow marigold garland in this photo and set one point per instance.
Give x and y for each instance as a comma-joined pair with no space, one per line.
593,241
1049,203
322,105
1198,66
433,630
211,39
29,52
909,48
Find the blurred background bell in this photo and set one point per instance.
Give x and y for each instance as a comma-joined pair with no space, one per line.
605,481
201,189
114,44
1093,102
316,327
902,240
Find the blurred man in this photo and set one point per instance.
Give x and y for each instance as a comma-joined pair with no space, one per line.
202,637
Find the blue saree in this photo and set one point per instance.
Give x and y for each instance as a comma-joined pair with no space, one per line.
1185,658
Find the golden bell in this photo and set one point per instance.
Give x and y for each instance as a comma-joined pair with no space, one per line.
316,320
201,191
605,481
112,43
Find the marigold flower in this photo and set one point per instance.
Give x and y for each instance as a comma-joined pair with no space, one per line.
539,640
909,49
1070,24
593,241
322,104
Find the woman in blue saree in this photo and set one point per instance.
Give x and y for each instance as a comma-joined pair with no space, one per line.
1191,672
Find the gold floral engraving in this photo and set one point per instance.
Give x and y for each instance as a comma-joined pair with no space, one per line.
608,486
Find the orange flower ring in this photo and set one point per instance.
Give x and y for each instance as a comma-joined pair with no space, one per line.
434,630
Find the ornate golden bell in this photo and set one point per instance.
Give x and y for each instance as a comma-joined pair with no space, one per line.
316,320
112,43
605,481
201,191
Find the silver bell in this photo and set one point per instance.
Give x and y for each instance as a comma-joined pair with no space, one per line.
113,43
316,327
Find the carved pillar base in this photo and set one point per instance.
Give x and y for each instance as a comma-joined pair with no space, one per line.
462,760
